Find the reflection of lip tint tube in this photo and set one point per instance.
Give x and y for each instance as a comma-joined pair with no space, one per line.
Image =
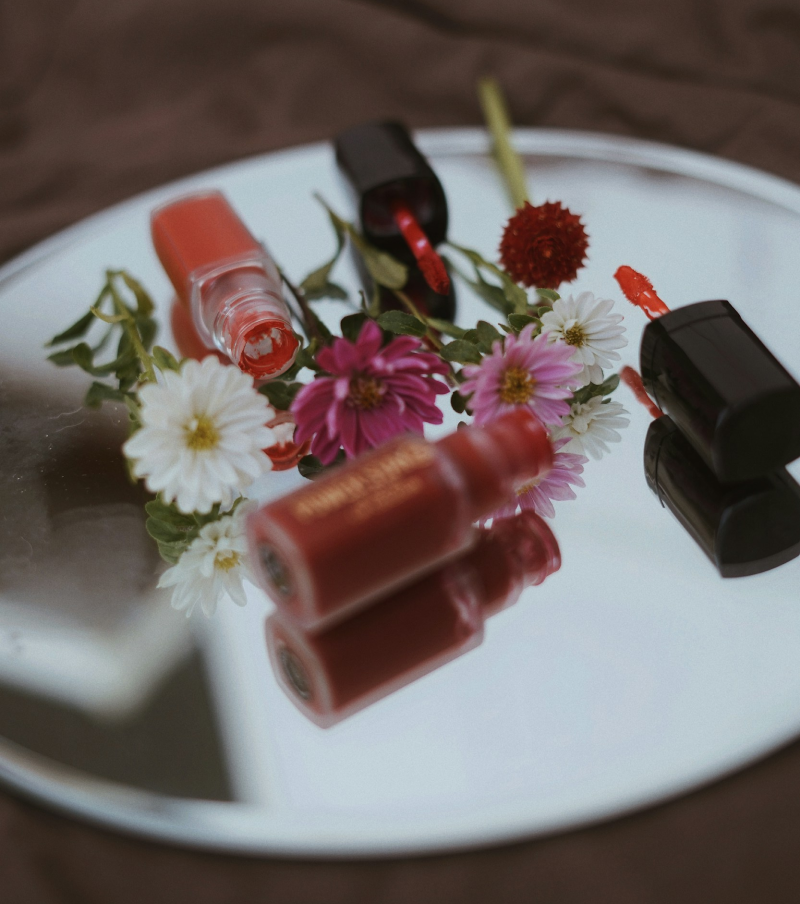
227,281
723,388
744,528
335,544
334,673
401,203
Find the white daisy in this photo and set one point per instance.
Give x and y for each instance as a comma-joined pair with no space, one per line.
214,564
590,425
203,435
585,323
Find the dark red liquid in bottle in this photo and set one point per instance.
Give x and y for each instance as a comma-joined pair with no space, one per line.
331,674
329,548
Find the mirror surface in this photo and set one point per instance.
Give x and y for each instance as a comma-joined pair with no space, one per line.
634,673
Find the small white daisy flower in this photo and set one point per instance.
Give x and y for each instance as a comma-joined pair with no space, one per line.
590,425
585,323
214,564
203,435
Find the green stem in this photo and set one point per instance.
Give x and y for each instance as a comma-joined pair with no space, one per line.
498,122
310,327
413,309
129,325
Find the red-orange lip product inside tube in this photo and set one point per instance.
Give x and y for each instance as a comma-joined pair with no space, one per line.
227,281
327,549
334,673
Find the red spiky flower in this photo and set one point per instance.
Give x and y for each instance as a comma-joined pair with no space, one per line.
543,246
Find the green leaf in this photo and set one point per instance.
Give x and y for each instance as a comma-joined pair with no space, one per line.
311,467
165,359
351,325
458,403
164,531
515,295
101,392
107,318
280,393
78,329
461,352
144,303
402,323
550,294
314,285
520,321
328,290
487,335
171,552
444,326
169,513
596,389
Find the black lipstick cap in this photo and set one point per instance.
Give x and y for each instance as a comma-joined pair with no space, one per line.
381,165
744,528
728,394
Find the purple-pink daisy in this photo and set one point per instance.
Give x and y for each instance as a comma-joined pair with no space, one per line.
557,484
372,394
522,370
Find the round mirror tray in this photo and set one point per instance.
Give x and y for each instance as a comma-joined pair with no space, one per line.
634,674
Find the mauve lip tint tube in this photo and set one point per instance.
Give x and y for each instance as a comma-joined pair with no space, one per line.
330,675
227,282
723,388
744,528
372,524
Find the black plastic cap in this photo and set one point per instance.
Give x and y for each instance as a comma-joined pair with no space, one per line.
744,528
382,164
728,394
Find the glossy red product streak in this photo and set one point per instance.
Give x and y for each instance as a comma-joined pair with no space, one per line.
332,546
431,265
633,381
638,289
334,673
223,276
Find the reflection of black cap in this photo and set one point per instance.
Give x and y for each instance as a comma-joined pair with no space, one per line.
381,164
744,528
723,388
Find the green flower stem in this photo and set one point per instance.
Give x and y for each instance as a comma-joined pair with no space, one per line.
497,119
129,325
413,309
307,318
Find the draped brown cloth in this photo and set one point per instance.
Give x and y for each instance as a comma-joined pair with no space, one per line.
99,100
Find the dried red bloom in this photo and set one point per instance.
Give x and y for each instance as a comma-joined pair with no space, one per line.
543,246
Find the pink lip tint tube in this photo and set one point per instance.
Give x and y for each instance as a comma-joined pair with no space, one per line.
227,282
331,547
334,673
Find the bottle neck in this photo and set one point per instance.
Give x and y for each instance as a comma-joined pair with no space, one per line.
240,310
512,554
494,460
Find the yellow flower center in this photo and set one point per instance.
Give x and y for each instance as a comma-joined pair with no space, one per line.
225,563
366,393
575,336
517,386
201,434
528,486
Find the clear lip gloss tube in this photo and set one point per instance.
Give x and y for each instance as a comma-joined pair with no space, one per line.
227,282
334,673
332,546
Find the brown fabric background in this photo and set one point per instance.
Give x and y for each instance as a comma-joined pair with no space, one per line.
101,99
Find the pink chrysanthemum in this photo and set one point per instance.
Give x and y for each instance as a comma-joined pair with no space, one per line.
523,371
373,394
557,484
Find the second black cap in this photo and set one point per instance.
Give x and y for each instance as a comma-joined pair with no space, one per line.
744,528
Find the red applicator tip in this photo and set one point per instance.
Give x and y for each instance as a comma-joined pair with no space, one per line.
633,381
638,289
430,263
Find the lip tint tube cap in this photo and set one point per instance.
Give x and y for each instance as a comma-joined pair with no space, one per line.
723,388
382,164
744,528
